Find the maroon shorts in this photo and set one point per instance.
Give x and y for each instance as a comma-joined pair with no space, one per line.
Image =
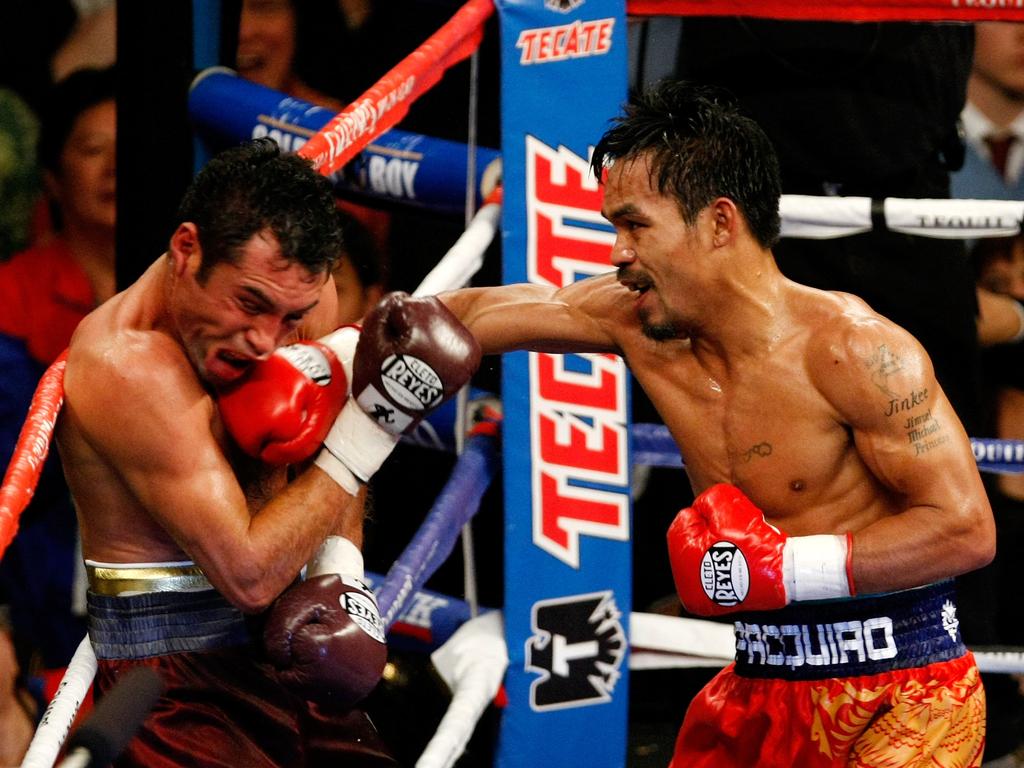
222,705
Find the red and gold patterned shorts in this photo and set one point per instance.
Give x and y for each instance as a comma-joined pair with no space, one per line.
881,681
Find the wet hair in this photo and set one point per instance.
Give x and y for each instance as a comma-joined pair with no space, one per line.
66,100
253,187
700,148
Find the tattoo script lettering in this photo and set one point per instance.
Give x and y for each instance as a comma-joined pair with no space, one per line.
924,432
897,404
761,449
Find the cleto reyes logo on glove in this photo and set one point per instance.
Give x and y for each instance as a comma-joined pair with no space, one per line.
361,609
724,574
410,383
309,360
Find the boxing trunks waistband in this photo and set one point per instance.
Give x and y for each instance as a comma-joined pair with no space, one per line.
153,609
848,638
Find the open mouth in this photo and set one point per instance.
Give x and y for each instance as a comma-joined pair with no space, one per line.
639,287
237,362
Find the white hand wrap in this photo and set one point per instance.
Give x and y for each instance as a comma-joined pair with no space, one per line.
336,555
816,567
356,446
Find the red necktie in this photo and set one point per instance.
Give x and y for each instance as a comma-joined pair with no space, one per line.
999,146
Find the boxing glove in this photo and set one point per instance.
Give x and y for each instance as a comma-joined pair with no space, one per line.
411,356
326,639
725,557
281,410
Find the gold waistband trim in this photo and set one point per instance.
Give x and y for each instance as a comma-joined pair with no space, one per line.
158,578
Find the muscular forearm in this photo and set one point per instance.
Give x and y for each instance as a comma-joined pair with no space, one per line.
922,545
278,540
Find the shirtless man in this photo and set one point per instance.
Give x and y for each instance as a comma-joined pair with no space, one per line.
827,459
172,388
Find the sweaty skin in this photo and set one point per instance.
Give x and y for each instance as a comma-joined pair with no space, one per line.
827,415
145,454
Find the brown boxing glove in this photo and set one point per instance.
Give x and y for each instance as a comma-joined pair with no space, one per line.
326,638
412,355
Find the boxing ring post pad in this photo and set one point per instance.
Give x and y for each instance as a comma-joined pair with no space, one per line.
567,514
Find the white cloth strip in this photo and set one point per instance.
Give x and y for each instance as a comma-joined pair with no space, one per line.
473,664
821,218
687,637
60,714
824,217
465,258
953,219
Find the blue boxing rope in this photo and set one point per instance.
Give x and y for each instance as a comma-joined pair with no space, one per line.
653,446
458,501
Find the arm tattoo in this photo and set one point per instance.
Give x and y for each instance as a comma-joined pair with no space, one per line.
883,364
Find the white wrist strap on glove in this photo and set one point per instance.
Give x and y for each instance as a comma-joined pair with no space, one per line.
817,567
336,555
356,446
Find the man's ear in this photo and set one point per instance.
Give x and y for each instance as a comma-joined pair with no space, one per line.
725,218
184,250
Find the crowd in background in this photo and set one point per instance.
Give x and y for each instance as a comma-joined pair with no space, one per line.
844,123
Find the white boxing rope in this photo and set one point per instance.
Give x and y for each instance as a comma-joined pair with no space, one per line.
473,664
60,713
809,216
464,259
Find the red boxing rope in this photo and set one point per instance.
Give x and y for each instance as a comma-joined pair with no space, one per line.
388,100
33,445
837,10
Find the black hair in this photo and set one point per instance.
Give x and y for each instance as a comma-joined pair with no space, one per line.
700,147
253,187
64,102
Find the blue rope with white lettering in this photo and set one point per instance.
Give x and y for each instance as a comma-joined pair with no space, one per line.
653,446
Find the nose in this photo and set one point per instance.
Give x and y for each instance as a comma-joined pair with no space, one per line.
622,256
263,336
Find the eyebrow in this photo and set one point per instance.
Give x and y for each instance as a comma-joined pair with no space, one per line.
623,210
268,305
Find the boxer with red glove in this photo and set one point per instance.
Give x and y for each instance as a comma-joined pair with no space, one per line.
325,635
282,409
726,557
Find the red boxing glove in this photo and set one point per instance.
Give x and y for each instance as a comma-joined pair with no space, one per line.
725,557
283,408
326,638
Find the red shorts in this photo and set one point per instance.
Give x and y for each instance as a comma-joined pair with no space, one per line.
785,703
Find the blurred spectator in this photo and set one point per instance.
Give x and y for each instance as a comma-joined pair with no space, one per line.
361,274
44,293
17,709
269,48
19,175
993,118
92,42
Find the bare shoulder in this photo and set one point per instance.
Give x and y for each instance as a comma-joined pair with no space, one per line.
863,363
120,382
